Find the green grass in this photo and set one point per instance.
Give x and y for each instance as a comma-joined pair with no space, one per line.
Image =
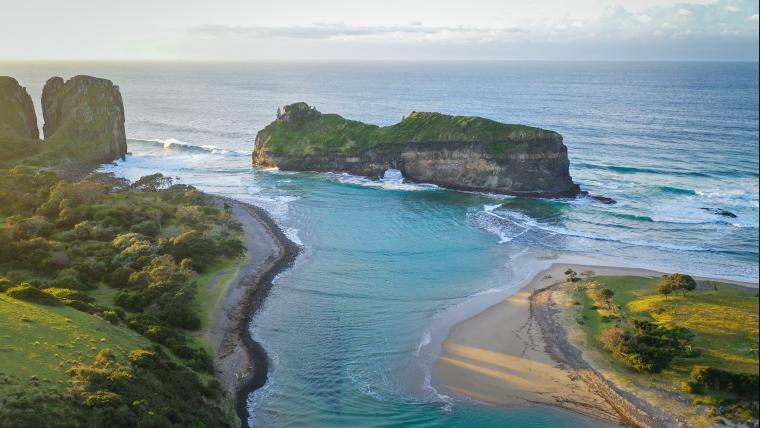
212,287
724,321
331,133
43,341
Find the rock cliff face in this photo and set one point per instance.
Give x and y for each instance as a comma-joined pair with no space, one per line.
17,116
459,152
84,118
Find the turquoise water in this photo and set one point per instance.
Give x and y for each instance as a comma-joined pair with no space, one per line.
386,266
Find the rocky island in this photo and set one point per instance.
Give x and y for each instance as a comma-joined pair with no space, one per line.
457,152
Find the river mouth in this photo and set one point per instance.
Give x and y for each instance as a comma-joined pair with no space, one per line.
342,328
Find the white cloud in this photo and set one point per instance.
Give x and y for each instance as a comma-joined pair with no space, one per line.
340,31
684,12
732,8
754,17
644,19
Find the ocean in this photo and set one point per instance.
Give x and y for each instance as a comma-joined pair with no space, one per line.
386,266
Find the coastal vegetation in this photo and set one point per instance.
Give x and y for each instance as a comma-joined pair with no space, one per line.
99,309
701,343
302,129
462,152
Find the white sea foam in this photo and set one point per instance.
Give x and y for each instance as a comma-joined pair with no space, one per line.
175,144
389,182
292,234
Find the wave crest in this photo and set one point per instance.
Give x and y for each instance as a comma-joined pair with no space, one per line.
174,144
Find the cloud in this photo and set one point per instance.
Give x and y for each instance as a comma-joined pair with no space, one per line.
732,8
754,17
340,31
684,12
645,19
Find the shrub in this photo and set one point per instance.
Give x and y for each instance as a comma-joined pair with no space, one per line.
147,228
743,384
613,339
193,245
26,292
67,293
110,316
33,227
67,279
5,284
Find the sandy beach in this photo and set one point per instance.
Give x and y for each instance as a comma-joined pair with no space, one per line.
516,353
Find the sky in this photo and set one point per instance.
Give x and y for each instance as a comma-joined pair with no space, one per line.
379,30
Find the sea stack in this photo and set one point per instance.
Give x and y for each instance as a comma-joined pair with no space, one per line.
17,117
457,152
84,118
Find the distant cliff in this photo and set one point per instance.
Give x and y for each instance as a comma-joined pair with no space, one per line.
19,135
84,118
459,152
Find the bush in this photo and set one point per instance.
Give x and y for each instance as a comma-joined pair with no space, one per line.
67,293
26,292
67,279
190,245
744,385
110,316
148,228
5,284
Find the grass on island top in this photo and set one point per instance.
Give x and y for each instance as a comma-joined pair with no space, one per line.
723,318
331,133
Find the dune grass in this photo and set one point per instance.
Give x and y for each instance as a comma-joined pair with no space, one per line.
722,316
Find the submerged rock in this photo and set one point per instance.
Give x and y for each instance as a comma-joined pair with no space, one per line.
459,152
603,199
17,116
84,118
719,211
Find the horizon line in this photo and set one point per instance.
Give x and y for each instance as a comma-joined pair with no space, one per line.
344,60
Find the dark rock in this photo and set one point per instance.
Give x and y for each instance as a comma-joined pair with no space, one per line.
603,199
84,118
719,211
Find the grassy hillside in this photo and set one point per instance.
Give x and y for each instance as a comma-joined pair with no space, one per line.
40,342
301,130
106,287
714,326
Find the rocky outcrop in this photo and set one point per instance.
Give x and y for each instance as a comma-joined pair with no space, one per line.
459,152
19,135
17,116
84,118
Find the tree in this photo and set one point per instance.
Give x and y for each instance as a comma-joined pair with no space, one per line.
606,295
570,275
153,183
677,281
664,287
